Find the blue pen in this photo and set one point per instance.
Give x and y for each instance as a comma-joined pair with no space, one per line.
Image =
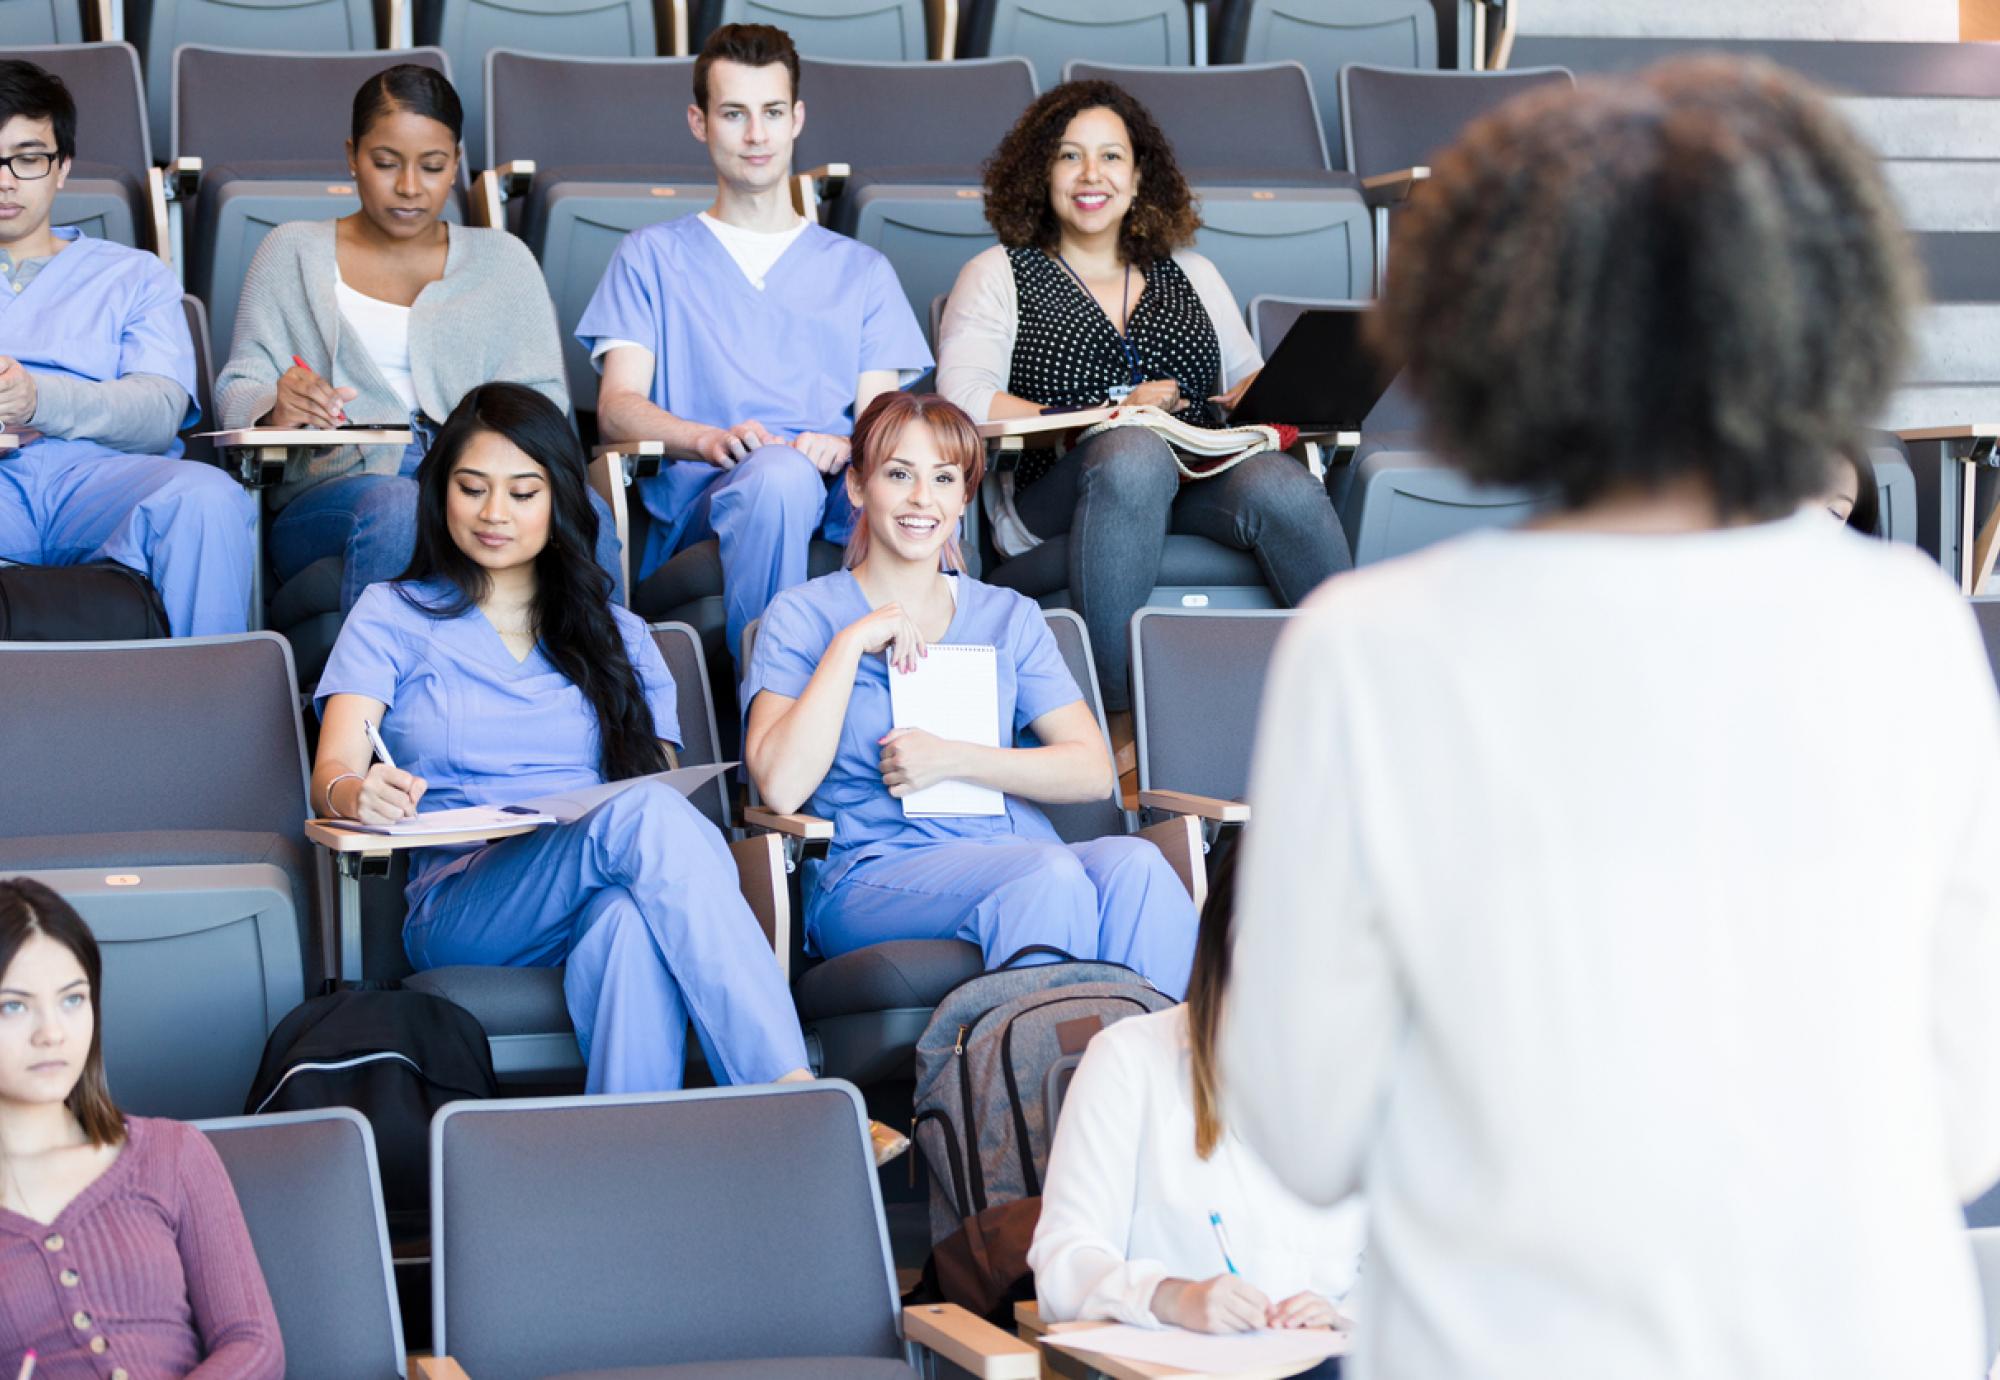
1222,1240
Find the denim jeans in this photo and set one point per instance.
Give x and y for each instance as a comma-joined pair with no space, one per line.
1118,495
370,520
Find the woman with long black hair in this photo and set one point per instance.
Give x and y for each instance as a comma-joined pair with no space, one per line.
498,669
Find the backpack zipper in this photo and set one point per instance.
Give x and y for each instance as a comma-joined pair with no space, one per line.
1031,1180
329,1067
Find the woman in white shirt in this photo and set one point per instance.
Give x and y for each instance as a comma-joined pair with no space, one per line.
1657,1025
1153,1210
388,316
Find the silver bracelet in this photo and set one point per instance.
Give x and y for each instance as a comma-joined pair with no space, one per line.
334,809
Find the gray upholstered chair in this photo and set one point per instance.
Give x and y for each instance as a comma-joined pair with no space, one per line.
1197,683
161,787
113,191
703,1235
849,30
1051,32
311,1192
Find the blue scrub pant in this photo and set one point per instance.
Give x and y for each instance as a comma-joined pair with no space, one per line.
370,522
764,513
189,526
1109,898
639,900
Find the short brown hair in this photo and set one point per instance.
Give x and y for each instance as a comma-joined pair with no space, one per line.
1694,272
750,45
881,427
28,908
1163,216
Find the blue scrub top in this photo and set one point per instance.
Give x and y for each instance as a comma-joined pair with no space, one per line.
867,821
479,726
724,351
100,311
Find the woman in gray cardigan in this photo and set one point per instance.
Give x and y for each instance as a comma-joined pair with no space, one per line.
386,316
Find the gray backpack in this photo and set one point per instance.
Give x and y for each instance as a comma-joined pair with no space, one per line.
991,1066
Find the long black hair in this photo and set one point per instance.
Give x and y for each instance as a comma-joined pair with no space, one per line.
573,619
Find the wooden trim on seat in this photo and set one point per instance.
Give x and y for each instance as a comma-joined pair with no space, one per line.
760,875
670,26
156,207
1200,806
811,828
970,1342
607,476
941,18
1180,839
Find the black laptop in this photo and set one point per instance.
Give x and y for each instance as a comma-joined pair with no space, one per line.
1321,377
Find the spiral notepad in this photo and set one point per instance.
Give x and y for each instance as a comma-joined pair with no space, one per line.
954,693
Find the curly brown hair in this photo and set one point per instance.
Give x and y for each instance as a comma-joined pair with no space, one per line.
1695,271
1163,216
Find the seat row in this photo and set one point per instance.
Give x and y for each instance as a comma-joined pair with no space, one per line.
1325,34
217,916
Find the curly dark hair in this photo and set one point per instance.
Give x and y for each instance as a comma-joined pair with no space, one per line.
1692,271
1163,216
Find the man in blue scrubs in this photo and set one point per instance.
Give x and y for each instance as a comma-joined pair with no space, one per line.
96,379
747,339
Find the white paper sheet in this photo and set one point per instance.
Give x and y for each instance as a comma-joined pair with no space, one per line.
1239,1353
954,693
560,808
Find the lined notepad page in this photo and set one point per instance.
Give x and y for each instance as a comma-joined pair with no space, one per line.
954,693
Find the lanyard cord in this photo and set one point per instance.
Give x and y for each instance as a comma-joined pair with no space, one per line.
1123,328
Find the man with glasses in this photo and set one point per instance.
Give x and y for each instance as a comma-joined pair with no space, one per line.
96,380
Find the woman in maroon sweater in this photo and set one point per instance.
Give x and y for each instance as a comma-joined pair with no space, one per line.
123,1254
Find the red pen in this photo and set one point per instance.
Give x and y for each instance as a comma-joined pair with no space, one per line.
308,368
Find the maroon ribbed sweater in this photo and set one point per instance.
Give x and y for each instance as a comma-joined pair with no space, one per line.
147,1275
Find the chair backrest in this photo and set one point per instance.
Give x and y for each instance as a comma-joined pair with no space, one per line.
1271,316
106,737
1197,683
110,100
881,30
591,112
162,27
1986,608
311,1192
196,446
1242,124
680,645
939,120
1326,35
24,22
1395,118
1051,32
582,1234
1088,819
309,95
469,29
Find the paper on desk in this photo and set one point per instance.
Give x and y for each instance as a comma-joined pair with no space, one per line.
954,693
1237,1353
560,808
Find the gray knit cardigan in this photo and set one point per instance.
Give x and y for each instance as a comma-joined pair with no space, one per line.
489,318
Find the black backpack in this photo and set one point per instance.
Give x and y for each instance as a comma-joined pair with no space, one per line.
391,1054
100,601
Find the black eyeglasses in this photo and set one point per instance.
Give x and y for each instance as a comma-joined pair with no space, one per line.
29,167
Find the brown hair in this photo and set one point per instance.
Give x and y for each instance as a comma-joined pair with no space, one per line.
1207,982
1162,217
875,438
28,908
749,45
1692,272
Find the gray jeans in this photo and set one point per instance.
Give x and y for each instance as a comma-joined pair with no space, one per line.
1118,495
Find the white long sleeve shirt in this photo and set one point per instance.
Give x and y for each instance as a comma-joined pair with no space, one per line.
1621,917
1126,1200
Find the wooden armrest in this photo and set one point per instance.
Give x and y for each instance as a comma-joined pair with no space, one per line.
608,476
1178,837
1008,427
514,176
1493,49
760,876
1200,806
1391,189
486,207
941,18
811,187
1028,1319
99,26
156,210
808,827
970,1342
436,1368
1972,431
183,177
306,438
336,838
9,440
670,21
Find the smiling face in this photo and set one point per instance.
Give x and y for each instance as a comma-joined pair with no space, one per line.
1093,180
46,1022
750,123
25,201
497,503
911,500
404,168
